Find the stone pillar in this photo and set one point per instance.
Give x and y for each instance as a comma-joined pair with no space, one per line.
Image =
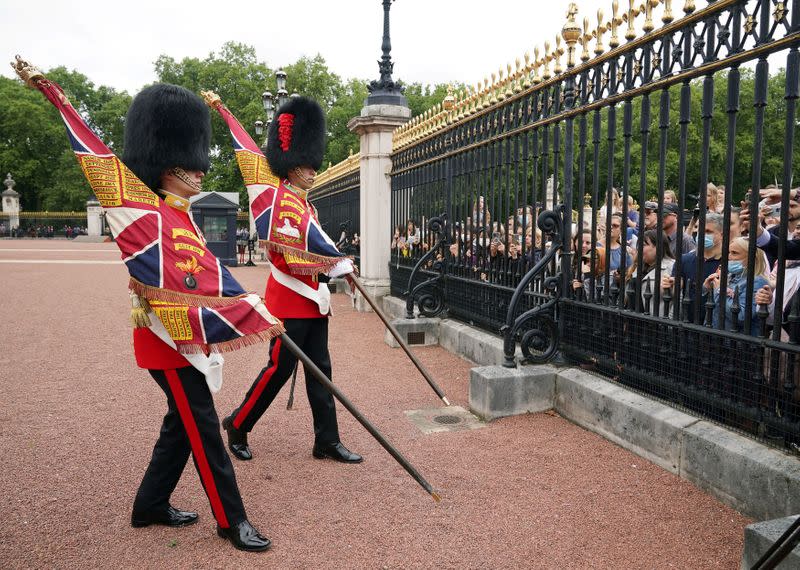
94,218
11,207
375,126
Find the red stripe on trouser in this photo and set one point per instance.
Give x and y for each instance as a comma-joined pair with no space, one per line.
262,383
197,446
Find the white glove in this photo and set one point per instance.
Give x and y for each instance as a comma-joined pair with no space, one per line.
344,267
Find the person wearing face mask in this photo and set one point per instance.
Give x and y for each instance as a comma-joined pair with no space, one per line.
712,251
737,285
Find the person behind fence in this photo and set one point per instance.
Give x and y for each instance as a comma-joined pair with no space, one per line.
650,215
791,288
769,240
589,275
688,263
672,223
737,286
617,249
412,235
399,246
649,263
481,216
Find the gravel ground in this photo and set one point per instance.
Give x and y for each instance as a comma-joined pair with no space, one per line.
78,421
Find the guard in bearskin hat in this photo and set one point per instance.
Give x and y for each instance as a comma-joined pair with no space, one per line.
303,259
167,136
180,291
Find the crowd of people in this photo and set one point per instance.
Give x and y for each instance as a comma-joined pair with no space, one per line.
40,231
658,261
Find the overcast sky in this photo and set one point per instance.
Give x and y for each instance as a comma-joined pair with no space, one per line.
116,43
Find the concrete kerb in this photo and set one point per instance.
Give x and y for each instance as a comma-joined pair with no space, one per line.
758,481
480,347
496,392
644,426
758,537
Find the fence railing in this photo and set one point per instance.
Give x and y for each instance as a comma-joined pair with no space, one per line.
336,195
611,155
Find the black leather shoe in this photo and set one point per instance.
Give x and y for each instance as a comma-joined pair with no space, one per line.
168,517
245,537
237,440
337,452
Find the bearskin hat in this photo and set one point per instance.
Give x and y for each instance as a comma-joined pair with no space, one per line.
296,136
167,126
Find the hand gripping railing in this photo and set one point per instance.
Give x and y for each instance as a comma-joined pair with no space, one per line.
543,336
430,294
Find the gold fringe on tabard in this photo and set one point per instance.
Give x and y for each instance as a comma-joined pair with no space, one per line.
170,296
323,262
234,344
139,309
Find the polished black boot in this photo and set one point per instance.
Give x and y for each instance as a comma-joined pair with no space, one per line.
337,452
237,440
245,537
168,517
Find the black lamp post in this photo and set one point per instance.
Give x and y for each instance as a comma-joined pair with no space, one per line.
272,103
386,91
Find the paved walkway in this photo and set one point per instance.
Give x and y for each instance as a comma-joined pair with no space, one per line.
78,421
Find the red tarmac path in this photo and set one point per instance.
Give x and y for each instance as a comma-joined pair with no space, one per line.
78,421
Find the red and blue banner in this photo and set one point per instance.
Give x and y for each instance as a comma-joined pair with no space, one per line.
284,220
197,299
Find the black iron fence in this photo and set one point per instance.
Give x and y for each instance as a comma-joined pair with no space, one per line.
634,210
336,198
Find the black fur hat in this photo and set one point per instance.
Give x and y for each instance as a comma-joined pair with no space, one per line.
296,136
167,126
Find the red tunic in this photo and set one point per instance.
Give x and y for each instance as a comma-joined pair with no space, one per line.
285,303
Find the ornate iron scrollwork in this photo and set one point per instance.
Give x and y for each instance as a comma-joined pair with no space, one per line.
430,294
540,341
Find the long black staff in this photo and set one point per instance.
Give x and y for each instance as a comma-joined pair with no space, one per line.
290,401
320,376
399,339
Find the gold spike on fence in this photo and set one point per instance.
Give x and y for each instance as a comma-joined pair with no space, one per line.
347,166
547,65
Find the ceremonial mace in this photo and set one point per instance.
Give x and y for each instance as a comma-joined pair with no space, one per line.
331,387
396,334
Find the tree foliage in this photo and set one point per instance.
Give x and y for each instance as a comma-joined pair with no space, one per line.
35,150
33,144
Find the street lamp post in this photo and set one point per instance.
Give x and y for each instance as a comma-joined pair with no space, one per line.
271,103
386,91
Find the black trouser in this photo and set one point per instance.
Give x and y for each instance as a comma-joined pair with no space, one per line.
191,425
311,335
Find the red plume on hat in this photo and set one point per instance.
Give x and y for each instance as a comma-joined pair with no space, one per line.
297,136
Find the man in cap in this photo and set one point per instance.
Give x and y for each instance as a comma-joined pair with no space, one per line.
650,215
672,223
303,258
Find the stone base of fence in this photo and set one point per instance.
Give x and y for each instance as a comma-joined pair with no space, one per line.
758,537
758,481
